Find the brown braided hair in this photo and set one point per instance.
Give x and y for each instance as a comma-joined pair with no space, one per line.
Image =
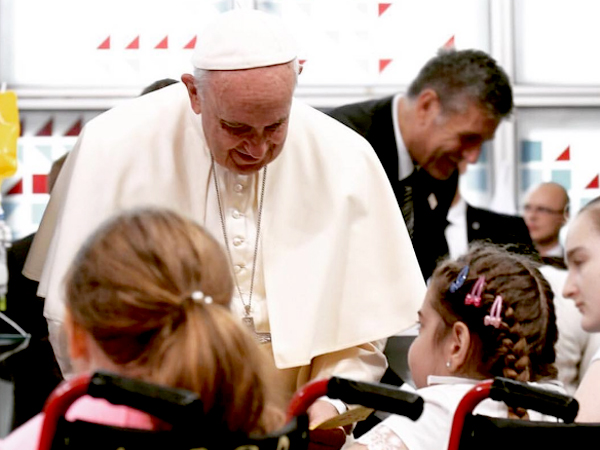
131,288
522,348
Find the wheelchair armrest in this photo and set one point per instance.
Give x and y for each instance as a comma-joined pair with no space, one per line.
169,404
381,397
518,394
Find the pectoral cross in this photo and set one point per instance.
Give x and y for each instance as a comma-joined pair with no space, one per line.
248,320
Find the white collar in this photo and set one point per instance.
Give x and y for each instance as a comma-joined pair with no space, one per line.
405,163
556,251
437,379
458,212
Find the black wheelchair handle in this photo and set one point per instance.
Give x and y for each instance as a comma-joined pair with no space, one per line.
517,394
377,396
166,403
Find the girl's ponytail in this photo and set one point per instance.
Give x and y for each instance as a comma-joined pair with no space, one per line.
153,289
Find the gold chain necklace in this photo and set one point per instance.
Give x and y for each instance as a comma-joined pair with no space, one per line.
247,319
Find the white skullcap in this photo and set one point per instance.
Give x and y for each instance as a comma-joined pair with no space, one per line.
243,39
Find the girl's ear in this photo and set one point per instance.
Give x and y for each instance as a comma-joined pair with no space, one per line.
427,107
77,339
458,347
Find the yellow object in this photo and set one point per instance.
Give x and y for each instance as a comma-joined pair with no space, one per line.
9,132
349,417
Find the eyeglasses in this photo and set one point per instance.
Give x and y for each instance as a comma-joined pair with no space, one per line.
542,210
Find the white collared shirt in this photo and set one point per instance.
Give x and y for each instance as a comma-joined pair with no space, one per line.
556,251
432,430
456,232
405,163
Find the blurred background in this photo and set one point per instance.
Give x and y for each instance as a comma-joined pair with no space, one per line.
69,60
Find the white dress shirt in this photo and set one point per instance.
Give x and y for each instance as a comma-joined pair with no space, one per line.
456,232
405,162
556,251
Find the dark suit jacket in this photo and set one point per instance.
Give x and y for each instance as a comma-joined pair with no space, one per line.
373,120
502,229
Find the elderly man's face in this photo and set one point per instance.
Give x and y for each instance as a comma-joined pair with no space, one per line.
245,115
452,139
544,213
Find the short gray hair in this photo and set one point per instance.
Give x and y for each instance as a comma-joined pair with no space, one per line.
462,75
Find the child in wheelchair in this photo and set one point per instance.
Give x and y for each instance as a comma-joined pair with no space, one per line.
488,314
148,298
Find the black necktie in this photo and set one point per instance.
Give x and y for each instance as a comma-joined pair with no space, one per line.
409,185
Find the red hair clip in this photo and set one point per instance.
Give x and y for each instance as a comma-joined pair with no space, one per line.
494,318
474,297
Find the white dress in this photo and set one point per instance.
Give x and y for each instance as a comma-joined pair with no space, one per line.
432,430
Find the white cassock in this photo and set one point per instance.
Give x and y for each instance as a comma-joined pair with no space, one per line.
336,271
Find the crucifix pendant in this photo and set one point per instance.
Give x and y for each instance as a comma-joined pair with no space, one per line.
261,338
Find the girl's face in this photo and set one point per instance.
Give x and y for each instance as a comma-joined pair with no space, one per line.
426,355
583,258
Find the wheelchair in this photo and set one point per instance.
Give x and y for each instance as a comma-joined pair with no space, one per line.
190,428
471,431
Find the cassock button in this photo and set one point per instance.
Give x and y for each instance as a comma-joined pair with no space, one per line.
237,241
236,214
238,268
238,188
476,225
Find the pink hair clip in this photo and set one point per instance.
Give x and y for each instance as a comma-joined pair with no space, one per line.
474,297
494,318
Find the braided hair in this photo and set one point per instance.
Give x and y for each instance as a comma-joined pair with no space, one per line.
522,347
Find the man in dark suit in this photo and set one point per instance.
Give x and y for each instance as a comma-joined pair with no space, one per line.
454,105
467,224
486,225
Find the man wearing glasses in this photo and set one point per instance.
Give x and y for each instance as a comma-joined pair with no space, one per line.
546,210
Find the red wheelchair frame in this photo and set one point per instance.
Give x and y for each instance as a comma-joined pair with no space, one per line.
476,431
173,405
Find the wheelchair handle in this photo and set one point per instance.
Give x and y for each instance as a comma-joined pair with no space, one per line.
517,394
162,402
169,404
513,393
381,397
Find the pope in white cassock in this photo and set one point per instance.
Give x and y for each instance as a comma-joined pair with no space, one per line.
323,265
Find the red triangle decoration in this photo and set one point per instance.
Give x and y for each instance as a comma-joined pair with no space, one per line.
191,45
164,43
449,45
16,189
46,130
134,45
594,184
40,184
566,155
105,44
383,63
383,8
301,61
75,128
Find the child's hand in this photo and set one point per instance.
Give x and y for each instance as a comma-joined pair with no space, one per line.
332,439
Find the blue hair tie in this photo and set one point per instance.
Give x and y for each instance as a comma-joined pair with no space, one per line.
460,280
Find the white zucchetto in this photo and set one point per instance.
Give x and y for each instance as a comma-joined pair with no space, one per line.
243,39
